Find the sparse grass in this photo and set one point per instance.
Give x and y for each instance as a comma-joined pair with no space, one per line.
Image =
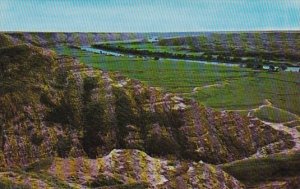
246,89
274,115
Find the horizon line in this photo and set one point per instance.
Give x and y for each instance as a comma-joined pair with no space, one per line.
202,31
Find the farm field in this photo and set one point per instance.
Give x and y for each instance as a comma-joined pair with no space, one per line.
219,87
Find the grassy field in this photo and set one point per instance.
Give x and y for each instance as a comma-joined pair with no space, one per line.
220,87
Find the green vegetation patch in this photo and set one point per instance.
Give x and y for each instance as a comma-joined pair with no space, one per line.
269,113
252,171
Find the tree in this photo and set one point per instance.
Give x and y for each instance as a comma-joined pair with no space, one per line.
209,57
203,43
236,59
258,66
249,65
271,68
283,67
176,42
221,58
124,114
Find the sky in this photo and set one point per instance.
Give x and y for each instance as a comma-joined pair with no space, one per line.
148,15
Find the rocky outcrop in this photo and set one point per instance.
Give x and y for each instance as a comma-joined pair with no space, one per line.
121,169
141,168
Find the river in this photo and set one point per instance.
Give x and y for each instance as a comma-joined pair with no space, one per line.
111,53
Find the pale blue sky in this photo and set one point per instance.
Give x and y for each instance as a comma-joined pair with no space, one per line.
148,15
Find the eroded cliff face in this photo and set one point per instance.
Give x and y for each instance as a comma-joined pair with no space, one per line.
55,106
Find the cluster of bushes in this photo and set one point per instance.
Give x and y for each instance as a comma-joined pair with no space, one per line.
93,120
124,114
157,55
89,83
260,66
93,125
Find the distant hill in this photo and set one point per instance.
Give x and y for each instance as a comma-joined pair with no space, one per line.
77,38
